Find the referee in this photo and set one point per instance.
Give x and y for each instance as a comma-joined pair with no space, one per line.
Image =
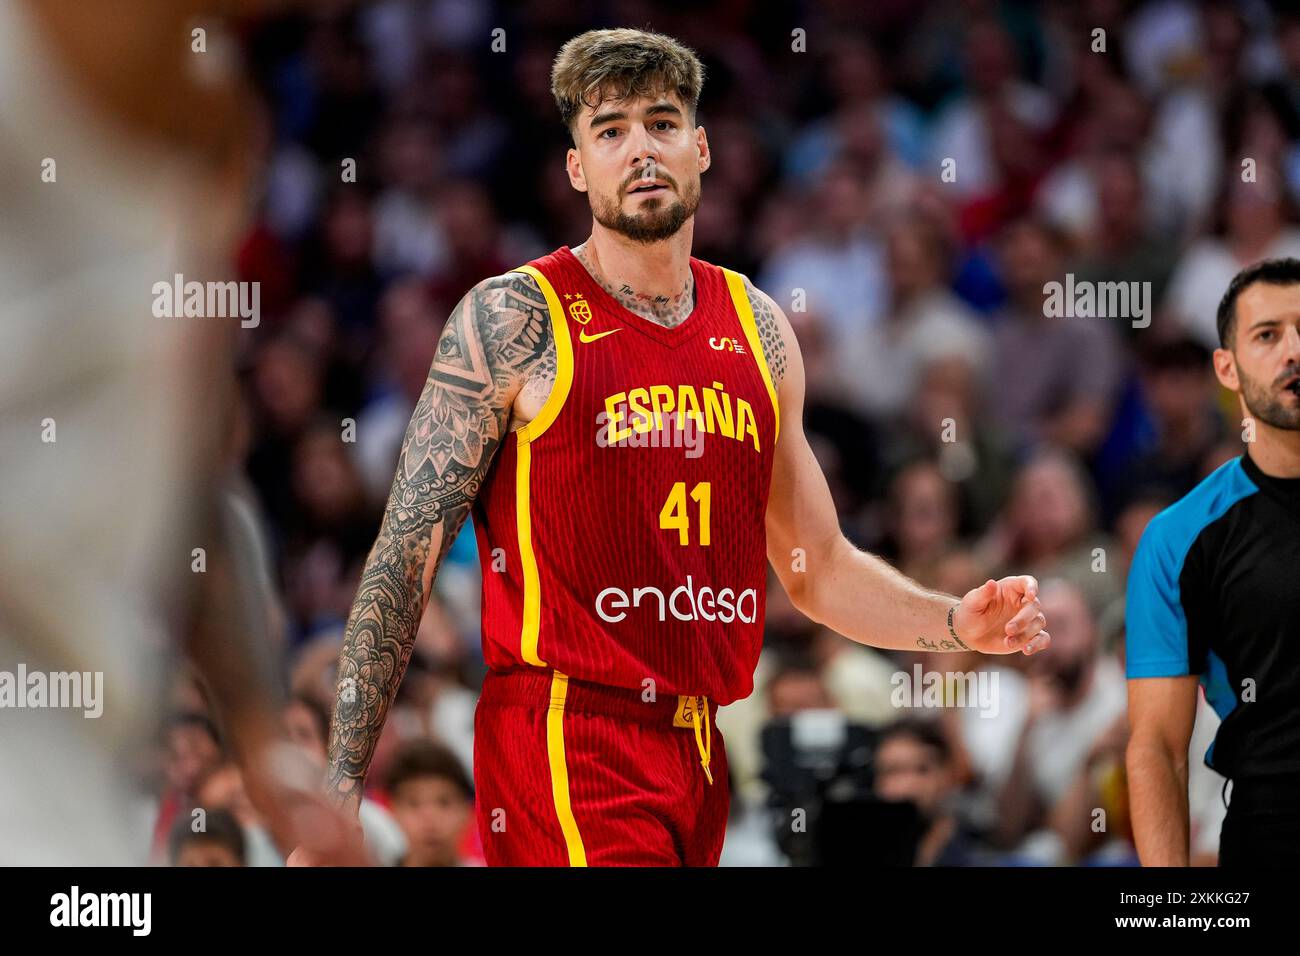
1214,599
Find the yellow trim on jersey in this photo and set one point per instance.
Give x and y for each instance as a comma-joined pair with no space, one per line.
532,611
532,582
736,283
563,361
560,770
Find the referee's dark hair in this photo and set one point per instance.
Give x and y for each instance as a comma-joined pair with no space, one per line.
1270,271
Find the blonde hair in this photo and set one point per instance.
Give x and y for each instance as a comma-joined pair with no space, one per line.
622,63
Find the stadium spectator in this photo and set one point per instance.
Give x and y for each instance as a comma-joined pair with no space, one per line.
914,763
433,801
219,842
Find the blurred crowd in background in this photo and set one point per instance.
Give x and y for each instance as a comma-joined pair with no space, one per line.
965,432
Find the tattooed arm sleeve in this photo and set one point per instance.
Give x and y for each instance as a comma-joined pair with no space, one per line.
495,339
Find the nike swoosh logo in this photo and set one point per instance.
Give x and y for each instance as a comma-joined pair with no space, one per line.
584,337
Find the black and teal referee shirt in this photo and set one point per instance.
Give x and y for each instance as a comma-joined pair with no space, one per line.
1214,590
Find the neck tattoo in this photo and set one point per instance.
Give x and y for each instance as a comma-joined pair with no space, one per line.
666,310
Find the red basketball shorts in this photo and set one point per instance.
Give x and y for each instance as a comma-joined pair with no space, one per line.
571,773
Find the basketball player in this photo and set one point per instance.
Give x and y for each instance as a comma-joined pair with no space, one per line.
624,422
1213,600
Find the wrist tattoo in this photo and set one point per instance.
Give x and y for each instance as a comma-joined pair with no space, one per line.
940,645
951,611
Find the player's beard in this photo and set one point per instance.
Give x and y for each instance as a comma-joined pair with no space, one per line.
655,221
1269,407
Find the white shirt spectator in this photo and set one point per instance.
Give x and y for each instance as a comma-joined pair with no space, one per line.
843,282
880,365
962,134
1204,786
1202,276
1058,744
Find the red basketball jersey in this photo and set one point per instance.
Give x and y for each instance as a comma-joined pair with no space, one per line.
621,532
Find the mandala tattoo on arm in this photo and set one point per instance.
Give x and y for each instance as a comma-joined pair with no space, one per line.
496,342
